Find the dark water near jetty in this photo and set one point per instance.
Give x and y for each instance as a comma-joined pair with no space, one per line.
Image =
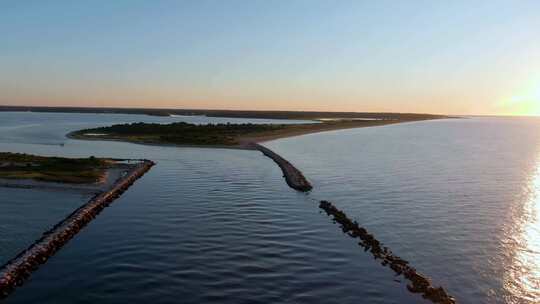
457,198
26,214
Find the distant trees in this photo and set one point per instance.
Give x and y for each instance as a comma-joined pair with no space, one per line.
184,133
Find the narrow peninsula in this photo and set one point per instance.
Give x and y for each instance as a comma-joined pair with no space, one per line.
233,135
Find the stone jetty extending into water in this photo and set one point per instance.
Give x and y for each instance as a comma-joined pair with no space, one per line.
14,272
418,283
294,178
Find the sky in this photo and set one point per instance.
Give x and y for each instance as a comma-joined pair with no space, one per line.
445,57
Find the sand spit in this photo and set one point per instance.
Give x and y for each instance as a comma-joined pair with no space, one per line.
14,272
418,283
294,178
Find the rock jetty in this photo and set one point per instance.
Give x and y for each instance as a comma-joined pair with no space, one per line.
14,272
294,178
418,283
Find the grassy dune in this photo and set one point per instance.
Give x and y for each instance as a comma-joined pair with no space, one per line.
53,169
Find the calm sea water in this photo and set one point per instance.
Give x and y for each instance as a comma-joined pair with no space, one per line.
457,198
26,214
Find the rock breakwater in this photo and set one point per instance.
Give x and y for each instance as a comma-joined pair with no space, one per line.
294,178
418,283
15,271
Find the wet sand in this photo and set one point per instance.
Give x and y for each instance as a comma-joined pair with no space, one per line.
303,129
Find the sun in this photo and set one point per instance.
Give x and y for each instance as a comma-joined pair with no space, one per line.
527,103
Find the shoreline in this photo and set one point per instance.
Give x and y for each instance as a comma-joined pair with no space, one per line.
109,177
17,167
17,270
246,141
71,135
306,129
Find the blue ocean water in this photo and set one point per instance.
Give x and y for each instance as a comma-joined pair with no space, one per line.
457,198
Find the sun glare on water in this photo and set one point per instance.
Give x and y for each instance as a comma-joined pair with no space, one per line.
523,275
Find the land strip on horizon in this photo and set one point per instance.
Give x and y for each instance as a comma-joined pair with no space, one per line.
302,115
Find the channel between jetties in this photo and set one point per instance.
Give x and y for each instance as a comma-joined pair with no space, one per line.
17,270
294,177
418,283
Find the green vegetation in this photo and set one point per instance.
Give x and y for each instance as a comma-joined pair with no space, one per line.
179,133
52,169
223,135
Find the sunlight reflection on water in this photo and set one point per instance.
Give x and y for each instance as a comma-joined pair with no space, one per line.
523,280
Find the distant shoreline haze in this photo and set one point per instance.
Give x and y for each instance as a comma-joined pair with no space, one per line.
222,113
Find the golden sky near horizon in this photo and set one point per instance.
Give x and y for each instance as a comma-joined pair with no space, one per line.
453,58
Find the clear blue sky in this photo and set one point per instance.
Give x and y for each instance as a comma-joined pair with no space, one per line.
457,57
